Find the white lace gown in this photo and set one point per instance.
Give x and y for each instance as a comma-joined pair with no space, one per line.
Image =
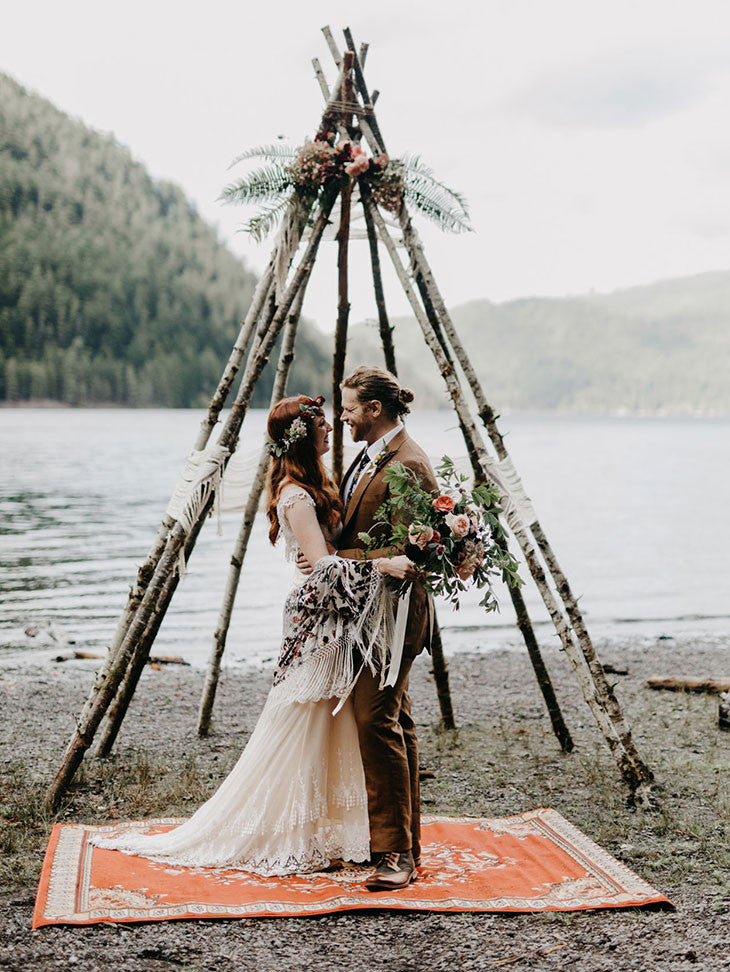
295,799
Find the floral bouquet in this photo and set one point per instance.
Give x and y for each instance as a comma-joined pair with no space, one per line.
454,535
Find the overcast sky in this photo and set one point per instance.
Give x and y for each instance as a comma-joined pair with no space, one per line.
591,139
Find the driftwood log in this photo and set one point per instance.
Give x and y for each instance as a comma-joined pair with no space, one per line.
677,683
713,686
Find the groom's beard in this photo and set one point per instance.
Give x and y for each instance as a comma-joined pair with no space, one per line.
359,432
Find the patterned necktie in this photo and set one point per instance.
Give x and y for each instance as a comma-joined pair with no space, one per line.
364,461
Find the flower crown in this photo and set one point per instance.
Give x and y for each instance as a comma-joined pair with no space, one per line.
309,408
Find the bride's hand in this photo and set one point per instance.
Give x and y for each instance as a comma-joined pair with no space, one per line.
401,567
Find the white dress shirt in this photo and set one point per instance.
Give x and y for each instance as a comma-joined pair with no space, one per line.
373,451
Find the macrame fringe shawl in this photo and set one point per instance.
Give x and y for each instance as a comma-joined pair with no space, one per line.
337,648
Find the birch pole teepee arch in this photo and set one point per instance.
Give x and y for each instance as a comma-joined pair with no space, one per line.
276,306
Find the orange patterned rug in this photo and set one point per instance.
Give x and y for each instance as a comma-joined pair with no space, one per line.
533,862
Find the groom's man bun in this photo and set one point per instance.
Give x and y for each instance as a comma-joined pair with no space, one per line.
378,385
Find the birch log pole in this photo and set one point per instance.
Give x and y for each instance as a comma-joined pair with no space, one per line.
632,773
639,770
343,313
523,619
149,567
525,627
386,330
217,402
632,765
262,309
441,677
117,709
332,44
368,102
423,273
215,406
89,721
207,700
440,668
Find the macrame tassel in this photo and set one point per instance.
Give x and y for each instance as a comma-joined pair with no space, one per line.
201,475
516,504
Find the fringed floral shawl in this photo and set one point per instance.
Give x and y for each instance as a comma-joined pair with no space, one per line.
339,620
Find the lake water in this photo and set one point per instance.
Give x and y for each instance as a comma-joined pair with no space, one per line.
636,511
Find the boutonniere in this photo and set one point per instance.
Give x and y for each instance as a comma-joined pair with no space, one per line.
380,460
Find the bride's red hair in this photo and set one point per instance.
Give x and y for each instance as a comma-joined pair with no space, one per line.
300,464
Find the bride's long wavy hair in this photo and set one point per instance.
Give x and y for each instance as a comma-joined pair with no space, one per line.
300,464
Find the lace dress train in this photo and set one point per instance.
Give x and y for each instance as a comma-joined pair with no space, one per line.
296,797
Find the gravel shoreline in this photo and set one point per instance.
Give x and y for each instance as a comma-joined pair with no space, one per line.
503,759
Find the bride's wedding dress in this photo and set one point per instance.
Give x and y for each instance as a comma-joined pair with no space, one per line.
296,797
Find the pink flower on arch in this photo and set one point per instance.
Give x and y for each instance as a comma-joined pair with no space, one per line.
360,162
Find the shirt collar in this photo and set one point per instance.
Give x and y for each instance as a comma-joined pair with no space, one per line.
381,444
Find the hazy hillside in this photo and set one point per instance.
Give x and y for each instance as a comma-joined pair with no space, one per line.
112,288
661,348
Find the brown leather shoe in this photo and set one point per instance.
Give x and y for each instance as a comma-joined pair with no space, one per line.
393,871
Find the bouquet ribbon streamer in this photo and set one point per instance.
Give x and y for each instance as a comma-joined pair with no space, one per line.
396,651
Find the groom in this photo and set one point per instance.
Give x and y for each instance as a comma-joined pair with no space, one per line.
372,404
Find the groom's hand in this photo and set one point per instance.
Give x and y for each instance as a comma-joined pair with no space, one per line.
303,564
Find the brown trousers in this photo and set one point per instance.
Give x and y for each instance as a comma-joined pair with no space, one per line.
390,758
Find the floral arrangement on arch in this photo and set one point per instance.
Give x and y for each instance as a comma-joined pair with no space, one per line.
301,175
453,535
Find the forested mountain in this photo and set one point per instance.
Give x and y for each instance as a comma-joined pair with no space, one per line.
657,349
112,288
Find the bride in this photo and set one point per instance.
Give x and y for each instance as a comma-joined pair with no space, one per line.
296,798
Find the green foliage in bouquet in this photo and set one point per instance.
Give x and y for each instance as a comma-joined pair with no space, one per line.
454,535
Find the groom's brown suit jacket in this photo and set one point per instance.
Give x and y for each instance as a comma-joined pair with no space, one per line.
370,493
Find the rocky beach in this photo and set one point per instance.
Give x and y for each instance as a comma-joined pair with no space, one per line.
501,760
